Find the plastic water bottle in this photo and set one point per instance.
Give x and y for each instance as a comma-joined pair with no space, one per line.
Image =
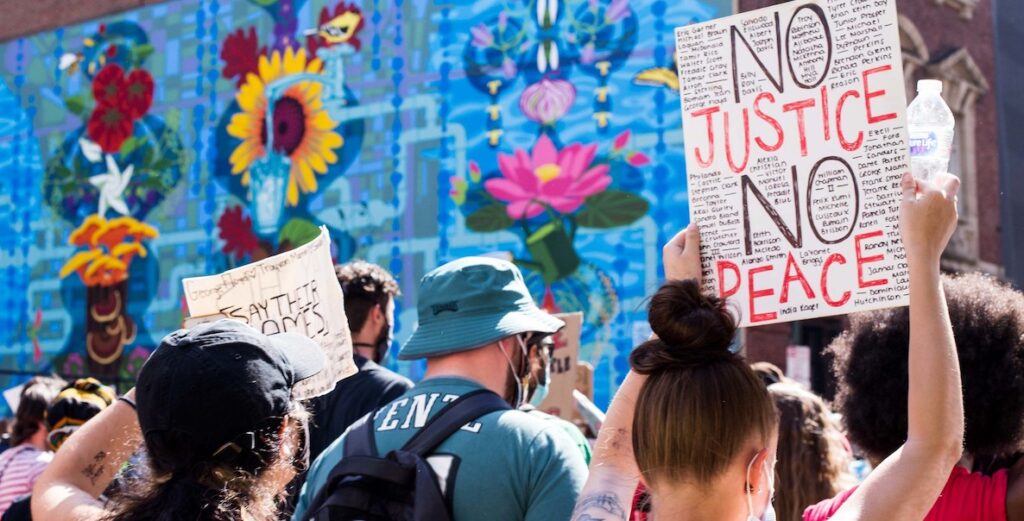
930,124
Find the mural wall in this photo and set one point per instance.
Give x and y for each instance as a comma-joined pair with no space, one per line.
193,136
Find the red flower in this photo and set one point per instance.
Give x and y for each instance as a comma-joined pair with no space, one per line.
236,232
109,126
241,54
109,85
138,94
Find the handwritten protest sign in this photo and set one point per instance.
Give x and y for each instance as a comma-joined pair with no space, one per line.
563,375
794,124
295,292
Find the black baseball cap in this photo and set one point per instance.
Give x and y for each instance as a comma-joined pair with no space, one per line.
217,381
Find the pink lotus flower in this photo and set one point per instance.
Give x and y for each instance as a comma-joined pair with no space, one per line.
561,179
546,101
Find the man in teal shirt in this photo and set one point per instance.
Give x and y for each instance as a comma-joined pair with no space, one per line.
475,318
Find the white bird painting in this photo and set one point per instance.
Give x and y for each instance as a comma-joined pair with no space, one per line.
111,185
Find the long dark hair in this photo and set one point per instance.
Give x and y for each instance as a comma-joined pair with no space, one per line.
701,403
35,398
179,484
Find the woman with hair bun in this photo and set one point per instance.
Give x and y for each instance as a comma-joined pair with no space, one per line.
705,441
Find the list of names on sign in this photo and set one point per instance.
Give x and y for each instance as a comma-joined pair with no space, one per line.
795,133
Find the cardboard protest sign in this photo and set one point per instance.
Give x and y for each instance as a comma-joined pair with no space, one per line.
296,292
13,397
795,132
564,355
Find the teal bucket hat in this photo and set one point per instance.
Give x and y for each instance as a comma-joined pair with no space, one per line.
472,302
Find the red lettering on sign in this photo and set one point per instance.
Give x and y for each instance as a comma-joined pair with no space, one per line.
862,260
834,258
794,274
870,94
756,317
770,120
708,112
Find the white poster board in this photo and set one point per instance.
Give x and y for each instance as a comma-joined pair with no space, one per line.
296,291
13,397
563,375
795,135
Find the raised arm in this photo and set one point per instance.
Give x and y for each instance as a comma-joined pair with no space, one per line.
608,492
85,464
907,483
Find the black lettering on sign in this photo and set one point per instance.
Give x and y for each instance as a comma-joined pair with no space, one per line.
795,239
810,206
820,13
776,80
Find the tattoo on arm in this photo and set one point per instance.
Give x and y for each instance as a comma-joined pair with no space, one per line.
95,469
600,506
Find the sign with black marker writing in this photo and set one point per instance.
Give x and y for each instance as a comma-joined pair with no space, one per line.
564,356
795,132
296,291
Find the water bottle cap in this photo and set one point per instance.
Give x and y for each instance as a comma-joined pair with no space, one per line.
929,86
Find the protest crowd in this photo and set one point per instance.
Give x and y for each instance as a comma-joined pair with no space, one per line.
227,423
211,430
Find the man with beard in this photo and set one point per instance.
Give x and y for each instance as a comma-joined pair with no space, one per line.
370,307
475,318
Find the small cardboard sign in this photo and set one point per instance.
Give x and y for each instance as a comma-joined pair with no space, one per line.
13,397
794,123
564,373
297,292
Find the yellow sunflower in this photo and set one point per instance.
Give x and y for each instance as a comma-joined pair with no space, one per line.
303,130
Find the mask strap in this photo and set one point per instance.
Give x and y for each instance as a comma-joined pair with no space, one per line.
749,488
519,387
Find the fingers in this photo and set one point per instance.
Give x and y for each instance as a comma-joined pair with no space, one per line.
678,243
908,186
692,237
948,184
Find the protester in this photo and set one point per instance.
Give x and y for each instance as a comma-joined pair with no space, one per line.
705,443
370,307
222,433
539,351
870,363
76,404
813,455
21,465
475,316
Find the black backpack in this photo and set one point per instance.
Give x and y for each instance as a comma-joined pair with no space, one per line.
401,485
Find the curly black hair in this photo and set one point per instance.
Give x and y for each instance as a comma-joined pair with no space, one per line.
364,285
870,365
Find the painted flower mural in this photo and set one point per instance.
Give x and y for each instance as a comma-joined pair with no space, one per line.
547,179
104,179
106,250
548,194
546,101
302,129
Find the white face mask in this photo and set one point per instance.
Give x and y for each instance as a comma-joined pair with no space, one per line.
521,381
769,511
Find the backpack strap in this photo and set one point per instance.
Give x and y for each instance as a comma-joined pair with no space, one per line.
463,410
360,440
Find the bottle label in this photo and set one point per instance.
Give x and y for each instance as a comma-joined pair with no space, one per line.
923,143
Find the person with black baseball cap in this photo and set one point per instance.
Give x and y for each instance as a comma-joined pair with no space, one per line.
223,435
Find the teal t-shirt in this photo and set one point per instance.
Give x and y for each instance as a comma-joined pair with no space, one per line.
506,466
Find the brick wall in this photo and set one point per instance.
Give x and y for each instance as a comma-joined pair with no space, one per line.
33,16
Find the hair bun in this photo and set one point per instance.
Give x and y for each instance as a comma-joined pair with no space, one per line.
692,328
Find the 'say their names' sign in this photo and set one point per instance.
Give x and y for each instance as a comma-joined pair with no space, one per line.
795,135
296,292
